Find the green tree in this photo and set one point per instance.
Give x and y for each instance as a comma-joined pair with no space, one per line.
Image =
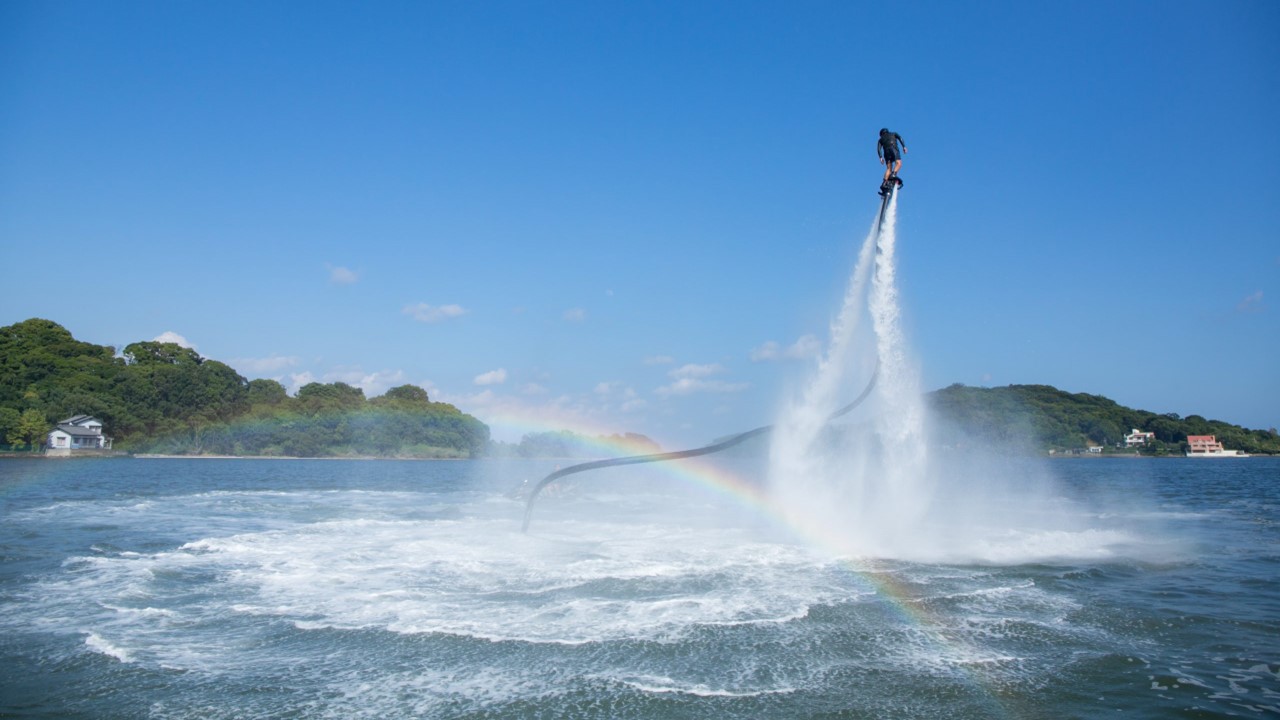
9,421
31,429
165,397
403,395
266,392
316,398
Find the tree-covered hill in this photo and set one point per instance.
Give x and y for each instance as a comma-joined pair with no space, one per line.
161,397
1043,418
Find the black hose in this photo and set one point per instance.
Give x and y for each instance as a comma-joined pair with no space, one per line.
678,455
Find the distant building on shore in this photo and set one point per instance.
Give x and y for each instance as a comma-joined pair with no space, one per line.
79,432
1137,437
1208,446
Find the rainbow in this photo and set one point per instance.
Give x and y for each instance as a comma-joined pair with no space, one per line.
900,598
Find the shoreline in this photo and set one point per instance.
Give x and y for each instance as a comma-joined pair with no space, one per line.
160,456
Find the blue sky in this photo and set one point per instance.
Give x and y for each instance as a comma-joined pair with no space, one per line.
598,215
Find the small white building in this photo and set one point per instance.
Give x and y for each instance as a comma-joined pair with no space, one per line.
80,432
1137,437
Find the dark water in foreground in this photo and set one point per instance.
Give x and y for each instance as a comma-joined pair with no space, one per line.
304,589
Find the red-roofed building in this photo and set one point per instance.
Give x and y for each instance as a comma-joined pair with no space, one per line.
1208,446
1203,444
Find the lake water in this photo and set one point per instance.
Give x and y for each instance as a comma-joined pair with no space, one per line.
168,588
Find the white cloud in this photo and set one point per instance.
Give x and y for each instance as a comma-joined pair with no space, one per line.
575,315
170,336
297,380
533,389
264,366
690,385
339,275
806,346
423,312
373,384
493,377
633,405
696,371
692,378
659,360
768,351
1252,303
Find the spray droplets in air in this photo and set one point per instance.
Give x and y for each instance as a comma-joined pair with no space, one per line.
866,485
861,484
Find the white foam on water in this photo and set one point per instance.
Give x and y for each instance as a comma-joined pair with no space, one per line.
95,642
664,685
596,581
483,579
461,604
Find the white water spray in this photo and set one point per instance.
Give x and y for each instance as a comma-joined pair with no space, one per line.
796,436
867,491
900,424
865,485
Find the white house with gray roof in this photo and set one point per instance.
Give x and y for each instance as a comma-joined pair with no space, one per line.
79,432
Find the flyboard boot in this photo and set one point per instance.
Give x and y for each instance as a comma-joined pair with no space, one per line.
888,185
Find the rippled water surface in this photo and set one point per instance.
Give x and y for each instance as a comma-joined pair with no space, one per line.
154,588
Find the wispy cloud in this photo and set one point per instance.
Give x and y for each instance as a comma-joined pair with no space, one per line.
493,377
170,336
372,383
1252,303
688,386
422,312
575,315
692,378
339,275
264,366
696,371
297,380
659,360
806,346
633,405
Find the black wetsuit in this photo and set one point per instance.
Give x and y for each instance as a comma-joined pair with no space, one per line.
887,147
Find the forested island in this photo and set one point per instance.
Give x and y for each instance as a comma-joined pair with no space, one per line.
163,398
1043,418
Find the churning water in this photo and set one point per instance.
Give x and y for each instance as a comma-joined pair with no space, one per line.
292,589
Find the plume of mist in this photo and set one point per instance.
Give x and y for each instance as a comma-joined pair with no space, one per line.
876,484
